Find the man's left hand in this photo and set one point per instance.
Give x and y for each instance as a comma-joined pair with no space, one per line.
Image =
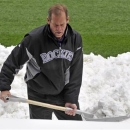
71,112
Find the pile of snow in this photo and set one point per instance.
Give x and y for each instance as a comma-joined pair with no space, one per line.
105,90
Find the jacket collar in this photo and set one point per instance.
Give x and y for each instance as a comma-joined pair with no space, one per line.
68,31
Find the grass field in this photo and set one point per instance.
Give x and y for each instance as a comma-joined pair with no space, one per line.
103,24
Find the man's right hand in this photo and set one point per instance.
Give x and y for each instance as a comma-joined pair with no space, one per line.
4,94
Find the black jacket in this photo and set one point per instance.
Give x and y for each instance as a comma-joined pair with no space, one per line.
52,68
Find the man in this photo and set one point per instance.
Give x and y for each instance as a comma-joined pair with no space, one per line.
54,57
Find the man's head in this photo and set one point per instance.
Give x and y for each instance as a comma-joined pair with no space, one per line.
58,19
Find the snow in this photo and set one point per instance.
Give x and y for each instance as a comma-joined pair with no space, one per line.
105,90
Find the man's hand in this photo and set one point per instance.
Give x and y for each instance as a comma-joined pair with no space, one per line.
4,94
71,112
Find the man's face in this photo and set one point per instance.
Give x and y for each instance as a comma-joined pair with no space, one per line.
58,24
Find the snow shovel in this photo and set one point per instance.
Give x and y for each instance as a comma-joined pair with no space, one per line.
85,115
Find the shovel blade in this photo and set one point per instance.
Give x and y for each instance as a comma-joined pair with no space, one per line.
108,119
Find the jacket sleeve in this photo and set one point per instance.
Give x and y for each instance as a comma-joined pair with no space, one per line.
13,64
72,89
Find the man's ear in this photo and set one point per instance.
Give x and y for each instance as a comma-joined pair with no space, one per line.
68,18
48,20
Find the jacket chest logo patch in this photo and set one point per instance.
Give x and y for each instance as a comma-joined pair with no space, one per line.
55,54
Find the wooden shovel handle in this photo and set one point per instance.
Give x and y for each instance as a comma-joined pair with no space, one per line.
23,100
46,105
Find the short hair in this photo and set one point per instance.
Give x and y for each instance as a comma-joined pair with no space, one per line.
57,9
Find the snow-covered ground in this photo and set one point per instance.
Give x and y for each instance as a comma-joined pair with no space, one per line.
105,90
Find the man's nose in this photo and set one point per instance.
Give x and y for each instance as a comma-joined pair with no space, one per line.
58,28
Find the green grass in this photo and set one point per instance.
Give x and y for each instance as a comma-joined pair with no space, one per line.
103,24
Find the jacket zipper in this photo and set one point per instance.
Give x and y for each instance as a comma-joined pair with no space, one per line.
60,49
